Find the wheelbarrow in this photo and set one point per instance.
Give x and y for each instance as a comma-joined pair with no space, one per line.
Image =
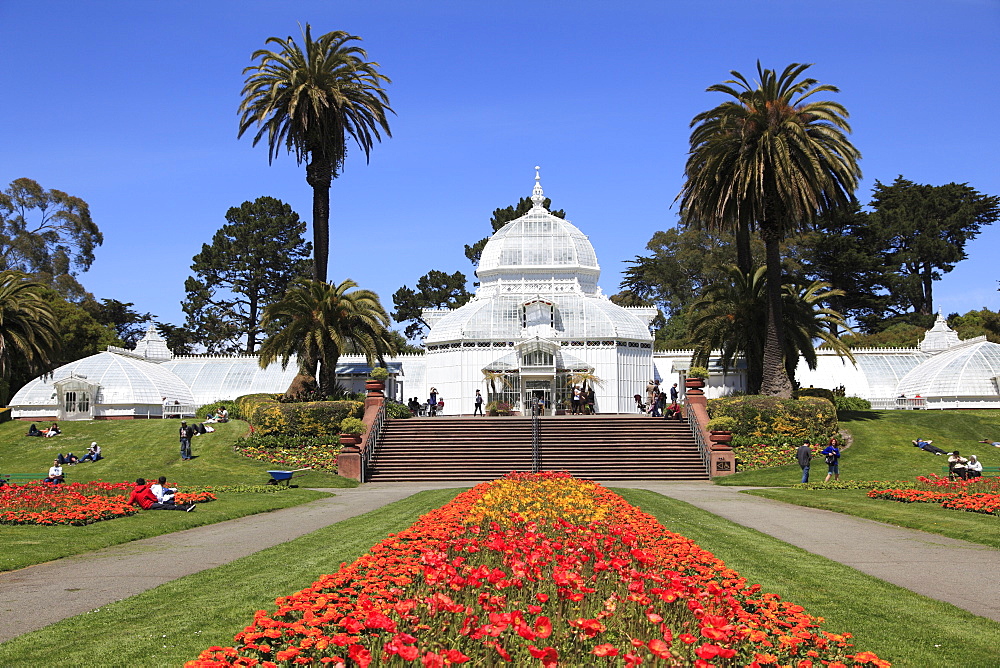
278,477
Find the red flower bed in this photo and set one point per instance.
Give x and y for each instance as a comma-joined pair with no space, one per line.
77,503
955,494
575,576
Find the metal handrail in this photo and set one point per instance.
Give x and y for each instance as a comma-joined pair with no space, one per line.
536,438
699,438
372,444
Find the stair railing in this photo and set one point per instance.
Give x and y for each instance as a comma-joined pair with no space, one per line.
699,436
374,440
536,440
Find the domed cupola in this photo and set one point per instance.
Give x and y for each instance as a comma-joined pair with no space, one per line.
538,246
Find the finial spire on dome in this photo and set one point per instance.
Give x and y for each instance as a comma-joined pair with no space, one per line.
537,196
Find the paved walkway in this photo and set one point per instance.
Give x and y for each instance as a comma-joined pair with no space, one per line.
911,559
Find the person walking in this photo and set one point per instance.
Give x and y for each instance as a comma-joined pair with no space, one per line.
432,403
479,405
186,434
832,454
804,457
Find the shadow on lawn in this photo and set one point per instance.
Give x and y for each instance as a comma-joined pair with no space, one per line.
859,416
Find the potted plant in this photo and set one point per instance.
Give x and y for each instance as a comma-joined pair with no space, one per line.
721,429
498,408
376,380
696,376
351,429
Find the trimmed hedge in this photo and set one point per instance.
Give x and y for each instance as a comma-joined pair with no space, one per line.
5,414
820,392
773,421
311,418
852,404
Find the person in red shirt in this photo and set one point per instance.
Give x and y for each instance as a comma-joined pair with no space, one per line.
144,497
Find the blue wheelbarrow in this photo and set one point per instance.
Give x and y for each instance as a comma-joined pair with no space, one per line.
278,477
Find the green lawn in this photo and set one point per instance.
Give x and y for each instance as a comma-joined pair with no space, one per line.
132,449
908,629
174,622
882,448
144,448
931,517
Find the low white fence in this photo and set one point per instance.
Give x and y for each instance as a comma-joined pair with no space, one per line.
898,403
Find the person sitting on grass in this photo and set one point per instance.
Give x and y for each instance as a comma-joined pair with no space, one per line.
974,468
143,497
93,453
52,431
925,444
56,476
160,490
957,466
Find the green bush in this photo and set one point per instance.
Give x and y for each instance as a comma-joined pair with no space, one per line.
697,372
852,404
397,411
282,441
721,423
310,418
379,373
820,392
230,405
773,421
352,425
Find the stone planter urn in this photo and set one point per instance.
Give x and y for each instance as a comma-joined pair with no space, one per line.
350,440
694,383
374,388
721,439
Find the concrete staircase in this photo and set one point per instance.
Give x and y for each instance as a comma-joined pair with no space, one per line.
598,447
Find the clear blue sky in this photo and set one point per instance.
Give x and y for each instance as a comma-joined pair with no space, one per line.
132,106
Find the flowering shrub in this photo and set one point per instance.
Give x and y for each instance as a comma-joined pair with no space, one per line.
773,421
308,418
858,484
575,576
77,503
322,457
763,456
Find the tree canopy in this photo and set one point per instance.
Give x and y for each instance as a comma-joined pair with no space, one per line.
435,289
47,234
249,264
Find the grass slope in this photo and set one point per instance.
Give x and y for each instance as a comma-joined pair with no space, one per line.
882,448
144,448
906,628
173,623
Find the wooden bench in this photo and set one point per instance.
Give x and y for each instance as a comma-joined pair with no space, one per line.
23,477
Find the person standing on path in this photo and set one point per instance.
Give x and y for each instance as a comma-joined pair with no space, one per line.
479,405
186,434
832,454
576,399
804,456
673,393
432,403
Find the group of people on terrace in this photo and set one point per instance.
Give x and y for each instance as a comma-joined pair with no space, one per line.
656,404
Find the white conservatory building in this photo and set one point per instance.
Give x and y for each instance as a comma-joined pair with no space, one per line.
538,319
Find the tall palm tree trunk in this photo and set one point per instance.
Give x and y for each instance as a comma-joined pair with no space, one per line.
319,175
744,258
775,380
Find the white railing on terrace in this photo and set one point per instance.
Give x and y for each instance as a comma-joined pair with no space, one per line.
898,403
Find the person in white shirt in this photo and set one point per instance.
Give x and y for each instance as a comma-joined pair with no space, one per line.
974,468
55,473
163,493
93,453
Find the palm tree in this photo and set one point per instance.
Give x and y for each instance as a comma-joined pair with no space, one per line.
29,331
308,100
774,159
318,322
731,317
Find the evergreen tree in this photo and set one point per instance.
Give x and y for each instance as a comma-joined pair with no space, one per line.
249,264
